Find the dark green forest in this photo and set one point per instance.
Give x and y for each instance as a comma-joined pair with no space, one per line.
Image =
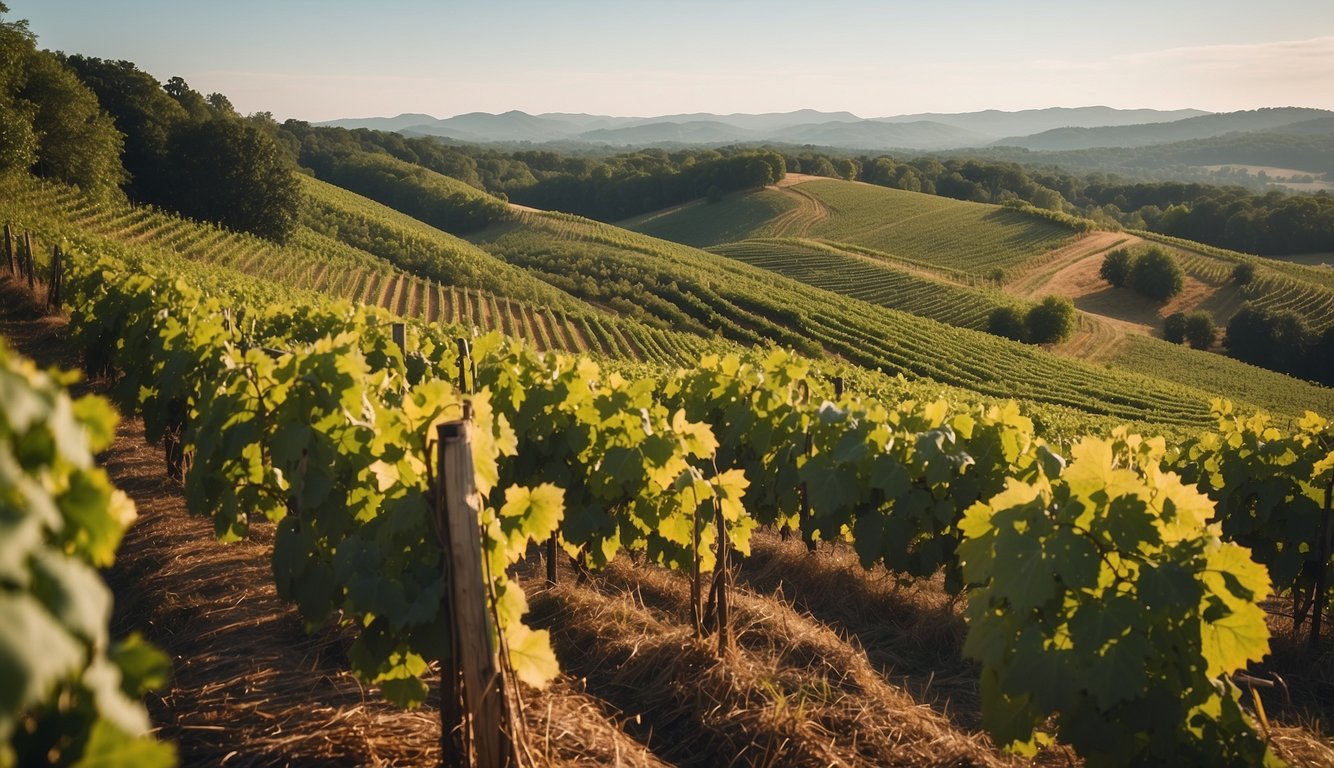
113,129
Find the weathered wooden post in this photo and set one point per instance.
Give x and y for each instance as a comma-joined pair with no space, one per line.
724,584
27,249
9,251
400,334
485,725
53,287
1324,545
553,546
838,387
465,354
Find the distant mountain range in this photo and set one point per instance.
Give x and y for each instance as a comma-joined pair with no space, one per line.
1053,129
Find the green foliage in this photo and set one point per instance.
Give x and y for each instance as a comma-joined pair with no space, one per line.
1270,485
1051,321
194,156
1115,267
1155,274
228,170
1278,340
18,141
1200,330
1174,327
1007,322
1105,597
1243,273
50,123
326,432
77,142
67,692
422,194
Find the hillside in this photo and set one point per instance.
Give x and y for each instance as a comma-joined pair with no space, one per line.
1201,127
984,241
1115,325
681,287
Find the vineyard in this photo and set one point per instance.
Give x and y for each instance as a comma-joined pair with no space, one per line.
319,263
681,287
312,416
983,241
872,280
287,412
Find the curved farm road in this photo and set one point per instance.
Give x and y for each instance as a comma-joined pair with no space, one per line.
1109,314
798,222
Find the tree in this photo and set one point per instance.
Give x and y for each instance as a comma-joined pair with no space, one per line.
1051,321
1116,267
76,141
1174,327
1279,340
230,171
1007,322
1200,330
18,142
1243,273
1156,274
145,113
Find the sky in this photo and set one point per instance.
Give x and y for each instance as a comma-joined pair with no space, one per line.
326,59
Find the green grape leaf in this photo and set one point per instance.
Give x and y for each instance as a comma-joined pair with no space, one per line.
143,667
110,747
531,655
1240,636
35,653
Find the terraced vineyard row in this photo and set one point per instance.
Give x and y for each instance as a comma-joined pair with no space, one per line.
1271,289
658,278
985,241
318,263
1277,392
1302,272
872,280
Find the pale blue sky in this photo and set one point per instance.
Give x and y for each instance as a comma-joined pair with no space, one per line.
322,59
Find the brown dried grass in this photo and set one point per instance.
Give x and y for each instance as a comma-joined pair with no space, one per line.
792,693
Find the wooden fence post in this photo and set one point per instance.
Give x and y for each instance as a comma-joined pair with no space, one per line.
838,387
465,355
400,334
486,716
9,251
53,287
27,249
1323,547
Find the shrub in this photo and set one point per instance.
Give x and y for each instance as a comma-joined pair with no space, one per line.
1243,273
1200,330
1174,327
1156,274
1008,322
1116,267
1052,321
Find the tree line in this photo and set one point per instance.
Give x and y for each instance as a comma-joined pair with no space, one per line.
113,129
617,186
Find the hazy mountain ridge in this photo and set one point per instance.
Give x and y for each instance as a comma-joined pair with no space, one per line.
1202,127
1052,129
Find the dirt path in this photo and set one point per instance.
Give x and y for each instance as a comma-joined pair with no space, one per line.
799,221
1033,282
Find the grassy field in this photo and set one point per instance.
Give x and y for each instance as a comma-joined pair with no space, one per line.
984,241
